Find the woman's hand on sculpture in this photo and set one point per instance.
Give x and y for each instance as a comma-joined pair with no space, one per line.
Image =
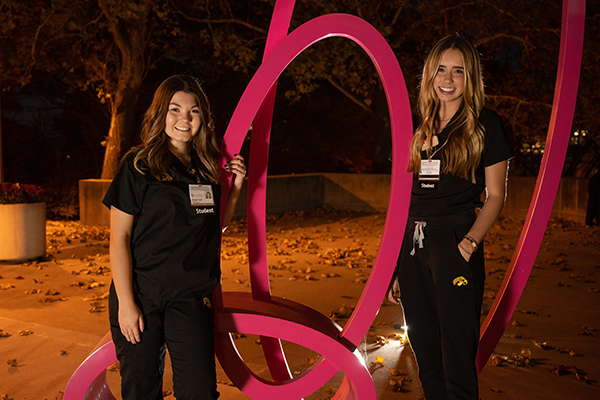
238,168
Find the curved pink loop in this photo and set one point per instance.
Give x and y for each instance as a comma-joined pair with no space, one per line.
259,150
89,380
257,91
294,322
563,108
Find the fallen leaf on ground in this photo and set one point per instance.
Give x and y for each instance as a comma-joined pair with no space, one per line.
563,269
587,331
516,360
546,346
96,307
275,267
382,340
52,299
397,380
114,367
562,370
402,337
503,259
378,360
543,345
494,361
330,390
97,297
529,312
341,313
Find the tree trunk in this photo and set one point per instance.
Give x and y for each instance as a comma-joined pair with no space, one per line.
121,125
129,35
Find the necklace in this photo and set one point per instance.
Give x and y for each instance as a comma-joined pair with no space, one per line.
434,142
185,158
438,149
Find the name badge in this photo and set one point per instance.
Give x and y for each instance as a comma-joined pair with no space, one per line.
430,170
202,195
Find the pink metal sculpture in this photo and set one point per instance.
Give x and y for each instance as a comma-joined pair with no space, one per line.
559,131
348,339
274,318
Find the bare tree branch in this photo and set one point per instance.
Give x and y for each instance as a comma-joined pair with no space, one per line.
37,32
349,95
518,100
234,21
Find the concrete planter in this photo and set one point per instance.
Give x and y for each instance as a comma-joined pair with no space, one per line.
22,231
91,210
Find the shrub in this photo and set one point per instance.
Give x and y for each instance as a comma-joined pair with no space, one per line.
14,193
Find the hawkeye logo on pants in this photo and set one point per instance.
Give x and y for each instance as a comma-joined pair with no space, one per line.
460,281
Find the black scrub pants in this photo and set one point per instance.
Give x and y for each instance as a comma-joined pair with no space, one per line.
186,327
441,295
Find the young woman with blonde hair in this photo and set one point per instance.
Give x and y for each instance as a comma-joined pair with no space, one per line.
164,246
459,150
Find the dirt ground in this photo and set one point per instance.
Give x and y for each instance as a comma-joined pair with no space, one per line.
54,311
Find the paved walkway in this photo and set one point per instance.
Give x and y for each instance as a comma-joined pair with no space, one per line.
52,331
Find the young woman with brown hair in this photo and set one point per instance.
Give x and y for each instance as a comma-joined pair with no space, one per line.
459,150
164,245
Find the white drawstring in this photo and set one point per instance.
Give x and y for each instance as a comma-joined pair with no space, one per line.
418,235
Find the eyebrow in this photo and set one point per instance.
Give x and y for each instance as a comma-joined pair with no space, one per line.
175,104
459,67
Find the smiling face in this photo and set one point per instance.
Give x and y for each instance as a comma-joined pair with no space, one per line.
183,119
450,78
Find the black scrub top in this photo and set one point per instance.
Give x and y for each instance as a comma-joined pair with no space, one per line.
174,245
453,194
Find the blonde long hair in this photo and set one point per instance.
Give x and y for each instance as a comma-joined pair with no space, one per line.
462,152
153,153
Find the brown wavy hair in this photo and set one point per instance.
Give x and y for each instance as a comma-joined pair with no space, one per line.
153,153
462,152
